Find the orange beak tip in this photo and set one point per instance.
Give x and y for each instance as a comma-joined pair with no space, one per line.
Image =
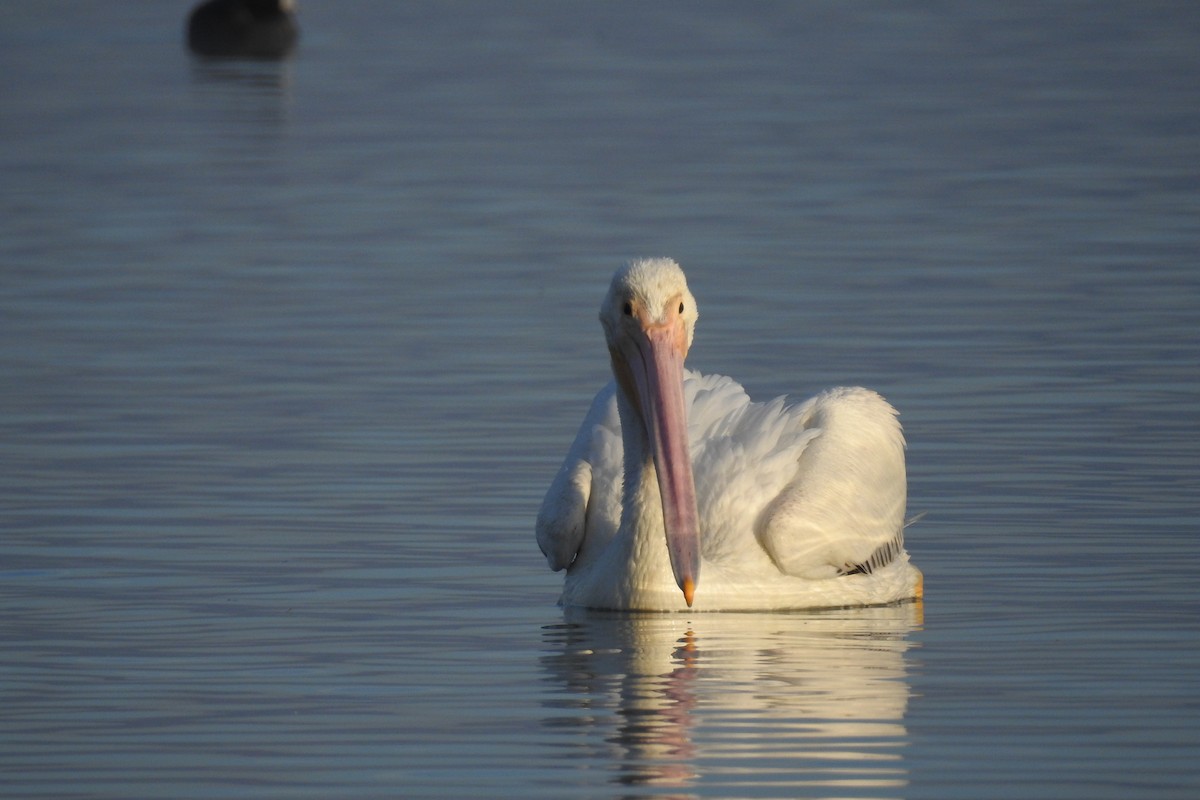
689,590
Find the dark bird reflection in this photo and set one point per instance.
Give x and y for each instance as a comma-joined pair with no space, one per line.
245,106
734,701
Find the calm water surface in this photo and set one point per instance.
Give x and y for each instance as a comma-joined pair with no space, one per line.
290,351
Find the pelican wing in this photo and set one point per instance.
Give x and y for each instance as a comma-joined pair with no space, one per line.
843,512
583,501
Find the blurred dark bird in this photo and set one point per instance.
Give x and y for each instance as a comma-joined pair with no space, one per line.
243,28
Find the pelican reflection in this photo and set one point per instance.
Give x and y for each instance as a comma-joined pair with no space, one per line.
734,701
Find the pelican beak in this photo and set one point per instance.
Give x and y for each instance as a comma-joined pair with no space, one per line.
654,362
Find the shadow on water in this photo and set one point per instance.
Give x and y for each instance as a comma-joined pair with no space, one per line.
675,703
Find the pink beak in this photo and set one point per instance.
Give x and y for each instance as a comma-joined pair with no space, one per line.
656,366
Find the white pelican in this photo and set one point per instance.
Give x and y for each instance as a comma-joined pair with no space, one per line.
676,476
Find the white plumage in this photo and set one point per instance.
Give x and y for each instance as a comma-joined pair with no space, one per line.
786,505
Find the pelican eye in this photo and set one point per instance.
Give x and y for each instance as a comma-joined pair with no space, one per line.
681,308
628,309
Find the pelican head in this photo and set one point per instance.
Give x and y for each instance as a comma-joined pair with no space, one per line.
649,318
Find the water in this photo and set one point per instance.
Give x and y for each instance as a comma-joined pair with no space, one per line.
290,351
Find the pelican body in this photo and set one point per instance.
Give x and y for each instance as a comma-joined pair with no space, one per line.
679,492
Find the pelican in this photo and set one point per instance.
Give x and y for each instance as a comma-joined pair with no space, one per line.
679,492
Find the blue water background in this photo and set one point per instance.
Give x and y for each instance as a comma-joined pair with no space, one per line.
290,351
